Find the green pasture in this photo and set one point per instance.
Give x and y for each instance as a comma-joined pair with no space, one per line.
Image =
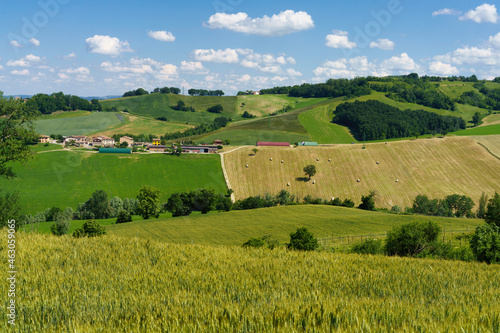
77,125
67,178
481,130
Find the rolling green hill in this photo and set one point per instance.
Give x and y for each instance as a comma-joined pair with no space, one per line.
77,124
236,227
66,178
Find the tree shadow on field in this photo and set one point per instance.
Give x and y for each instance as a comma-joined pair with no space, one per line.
302,179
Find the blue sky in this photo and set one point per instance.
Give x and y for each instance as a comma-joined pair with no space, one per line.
108,47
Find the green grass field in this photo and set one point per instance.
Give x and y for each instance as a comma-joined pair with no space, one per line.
481,130
248,137
455,89
144,125
64,179
66,114
236,227
77,125
117,284
158,105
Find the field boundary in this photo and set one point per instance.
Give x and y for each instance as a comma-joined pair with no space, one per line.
226,177
488,150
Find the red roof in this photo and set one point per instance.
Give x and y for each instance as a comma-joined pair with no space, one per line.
273,144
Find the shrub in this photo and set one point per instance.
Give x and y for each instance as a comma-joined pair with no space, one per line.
485,244
302,240
61,226
396,209
254,242
369,246
348,203
367,203
124,216
412,239
91,228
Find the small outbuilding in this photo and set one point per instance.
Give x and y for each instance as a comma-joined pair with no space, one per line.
115,151
273,144
308,143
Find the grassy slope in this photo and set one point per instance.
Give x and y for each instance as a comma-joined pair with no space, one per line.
482,130
145,125
125,285
434,167
236,227
77,125
493,119
158,105
65,179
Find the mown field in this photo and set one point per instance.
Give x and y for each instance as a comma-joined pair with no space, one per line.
66,178
490,142
77,124
118,284
493,119
434,167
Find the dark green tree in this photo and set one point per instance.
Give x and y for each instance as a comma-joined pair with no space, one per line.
476,118
367,202
303,240
204,200
10,208
179,204
481,209
254,242
485,243
16,131
149,202
98,205
412,239
123,217
310,170
61,225
492,215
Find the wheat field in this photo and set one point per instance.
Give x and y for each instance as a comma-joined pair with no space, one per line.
434,167
113,284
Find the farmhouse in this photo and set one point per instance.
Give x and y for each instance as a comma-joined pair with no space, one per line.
128,140
156,141
218,142
157,148
199,149
44,139
78,139
103,141
273,144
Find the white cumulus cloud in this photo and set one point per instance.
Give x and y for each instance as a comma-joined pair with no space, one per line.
23,72
193,67
446,11
107,45
383,44
483,13
163,36
286,22
292,72
34,42
229,56
400,64
79,70
339,39
441,68
16,44
495,40
26,61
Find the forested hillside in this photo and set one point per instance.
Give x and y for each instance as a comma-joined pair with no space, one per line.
373,120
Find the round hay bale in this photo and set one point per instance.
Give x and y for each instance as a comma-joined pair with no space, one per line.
288,184
281,161
271,159
329,160
397,180
378,162
314,182
247,165
317,159
358,180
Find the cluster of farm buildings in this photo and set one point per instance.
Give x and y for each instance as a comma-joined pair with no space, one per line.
107,142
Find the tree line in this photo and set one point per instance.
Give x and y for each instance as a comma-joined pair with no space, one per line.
142,91
373,120
332,88
47,104
203,92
